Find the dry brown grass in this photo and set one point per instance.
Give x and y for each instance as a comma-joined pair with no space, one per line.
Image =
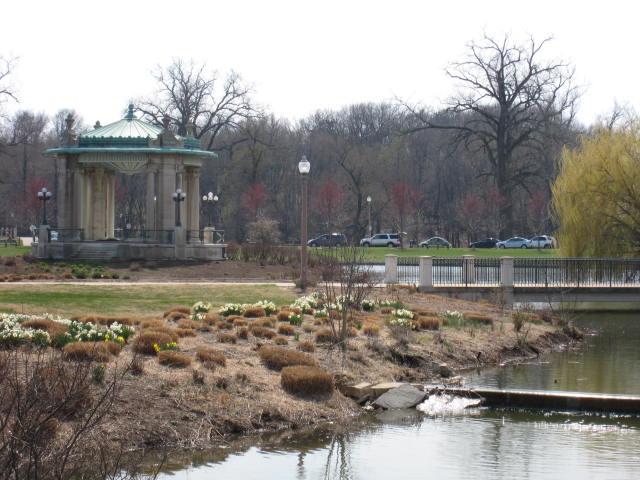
306,346
280,340
113,347
211,318
243,333
181,310
187,323
186,332
478,318
221,325
386,310
254,312
266,322
174,359
426,313
87,351
429,323
210,355
283,316
146,340
261,332
227,338
151,324
166,330
306,380
324,335
352,332
286,329
277,358
51,327
371,330
240,322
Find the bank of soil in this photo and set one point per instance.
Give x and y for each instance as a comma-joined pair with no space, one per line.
176,407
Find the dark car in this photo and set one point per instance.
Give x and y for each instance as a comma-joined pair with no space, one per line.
435,242
328,240
485,243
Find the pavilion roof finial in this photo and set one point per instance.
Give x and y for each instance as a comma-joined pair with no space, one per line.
130,116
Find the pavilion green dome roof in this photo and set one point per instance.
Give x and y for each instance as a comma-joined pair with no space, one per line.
128,127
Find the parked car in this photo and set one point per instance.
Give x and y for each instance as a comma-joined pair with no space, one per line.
486,243
513,242
435,242
328,240
541,241
381,240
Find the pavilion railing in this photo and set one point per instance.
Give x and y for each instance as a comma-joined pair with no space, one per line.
144,236
206,236
65,235
576,272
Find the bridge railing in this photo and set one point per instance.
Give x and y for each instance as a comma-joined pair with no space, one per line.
509,272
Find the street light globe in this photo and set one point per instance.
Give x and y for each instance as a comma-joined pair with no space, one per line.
368,198
215,198
304,166
210,196
204,198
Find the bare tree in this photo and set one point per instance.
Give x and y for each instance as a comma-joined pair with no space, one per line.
507,98
6,89
188,94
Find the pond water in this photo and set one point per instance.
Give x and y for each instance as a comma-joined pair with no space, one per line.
475,443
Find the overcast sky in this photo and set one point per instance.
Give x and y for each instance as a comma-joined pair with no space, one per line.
301,56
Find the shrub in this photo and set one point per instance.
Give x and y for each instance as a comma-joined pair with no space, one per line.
90,351
280,340
325,335
254,312
429,323
478,318
210,355
147,339
185,332
371,330
306,380
174,359
277,358
243,333
227,338
306,346
519,319
262,332
286,329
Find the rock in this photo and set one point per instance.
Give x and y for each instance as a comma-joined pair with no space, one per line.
405,396
445,371
380,388
356,391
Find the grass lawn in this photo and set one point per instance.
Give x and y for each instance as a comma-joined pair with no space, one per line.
376,254
129,299
13,251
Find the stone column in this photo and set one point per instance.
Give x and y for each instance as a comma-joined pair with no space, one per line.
150,219
99,193
192,177
87,204
426,274
468,269
62,192
165,207
77,202
506,279
391,268
110,211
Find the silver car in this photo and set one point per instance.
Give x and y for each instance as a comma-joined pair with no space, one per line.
381,240
541,241
513,242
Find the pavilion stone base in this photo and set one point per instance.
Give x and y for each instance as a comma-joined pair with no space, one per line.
108,251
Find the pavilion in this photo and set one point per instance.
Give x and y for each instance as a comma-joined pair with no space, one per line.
85,195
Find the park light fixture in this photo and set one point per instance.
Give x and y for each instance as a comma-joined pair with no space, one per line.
44,195
369,208
178,196
304,167
210,199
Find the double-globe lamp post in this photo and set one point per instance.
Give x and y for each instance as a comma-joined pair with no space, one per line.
178,196
44,195
369,205
303,167
211,200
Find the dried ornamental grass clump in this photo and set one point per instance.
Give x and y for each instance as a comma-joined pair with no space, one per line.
227,338
87,351
478,318
165,330
283,316
147,339
174,359
186,332
325,335
286,329
306,346
266,322
243,333
261,332
429,323
280,340
221,325
186,323
51,327
371,330
210,355
277,358
306,381
240,322
183,310
254,312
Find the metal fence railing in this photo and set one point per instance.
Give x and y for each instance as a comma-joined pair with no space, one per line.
409,270
576,272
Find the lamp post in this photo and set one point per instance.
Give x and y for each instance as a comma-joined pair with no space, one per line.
369,207
178,196
303,167
44,195
210,199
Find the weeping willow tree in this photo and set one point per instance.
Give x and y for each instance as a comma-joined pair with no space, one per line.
596,196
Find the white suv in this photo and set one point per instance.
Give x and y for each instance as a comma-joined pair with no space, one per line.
381,240
541,241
